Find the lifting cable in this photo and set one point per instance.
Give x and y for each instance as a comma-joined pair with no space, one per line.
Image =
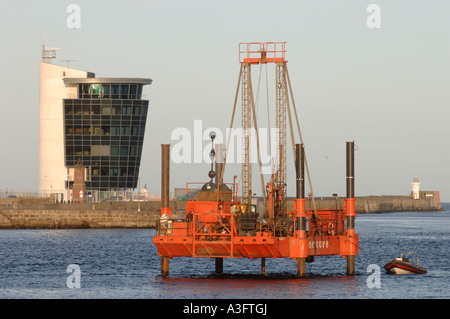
301,140
257,145
268,113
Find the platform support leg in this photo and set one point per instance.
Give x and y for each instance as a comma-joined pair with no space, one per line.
350,265
350,202
301,267
219,265
263,266
164,266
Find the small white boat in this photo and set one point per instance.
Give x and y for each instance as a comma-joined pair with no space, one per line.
402,266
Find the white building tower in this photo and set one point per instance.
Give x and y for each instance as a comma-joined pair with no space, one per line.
415,188
99,122
52,91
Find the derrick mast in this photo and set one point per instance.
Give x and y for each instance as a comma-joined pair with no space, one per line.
263,53
246,126
281,101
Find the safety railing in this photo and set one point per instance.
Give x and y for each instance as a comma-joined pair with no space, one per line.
172,227
259,52
326,223
213,226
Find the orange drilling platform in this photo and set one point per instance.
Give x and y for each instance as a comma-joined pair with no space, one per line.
220,223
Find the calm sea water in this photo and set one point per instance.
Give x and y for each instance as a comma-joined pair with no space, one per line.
124,264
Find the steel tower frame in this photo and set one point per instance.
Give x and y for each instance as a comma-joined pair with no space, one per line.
263,53
246,126
281,106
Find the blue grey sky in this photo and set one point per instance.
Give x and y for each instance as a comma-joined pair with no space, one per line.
385,88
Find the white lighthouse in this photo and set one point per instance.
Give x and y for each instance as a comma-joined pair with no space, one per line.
415,188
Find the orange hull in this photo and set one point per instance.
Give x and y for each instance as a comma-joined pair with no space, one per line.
259,246
212,230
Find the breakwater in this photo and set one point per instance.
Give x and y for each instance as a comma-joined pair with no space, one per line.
376,204
25,213
30,213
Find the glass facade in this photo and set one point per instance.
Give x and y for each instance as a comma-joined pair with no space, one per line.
110,91
104,127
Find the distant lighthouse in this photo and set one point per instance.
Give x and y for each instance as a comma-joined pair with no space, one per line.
415,188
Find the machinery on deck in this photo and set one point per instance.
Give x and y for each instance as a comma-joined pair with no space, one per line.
221,224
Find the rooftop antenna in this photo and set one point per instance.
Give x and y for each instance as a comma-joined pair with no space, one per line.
48,53
68,61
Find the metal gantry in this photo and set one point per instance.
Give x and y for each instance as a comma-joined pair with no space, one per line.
262,53
246,126
281,102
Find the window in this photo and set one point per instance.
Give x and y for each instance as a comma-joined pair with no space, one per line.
100,150
106,91
86,109
124,91
104,171
106,110
69,130
105,130
96,109
114,91
86,150
114,150
77,109
126,110
125,130
115,130
96,88
123,151
133,91
95,171
68,108
83,91
116,110
78,150
98,130
113,171
70,150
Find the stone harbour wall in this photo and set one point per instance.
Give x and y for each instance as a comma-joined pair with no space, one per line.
375,204
67,219
29,214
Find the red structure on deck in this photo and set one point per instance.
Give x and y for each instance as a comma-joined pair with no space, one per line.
220,224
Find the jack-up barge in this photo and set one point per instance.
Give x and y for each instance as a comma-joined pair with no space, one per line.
221,224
